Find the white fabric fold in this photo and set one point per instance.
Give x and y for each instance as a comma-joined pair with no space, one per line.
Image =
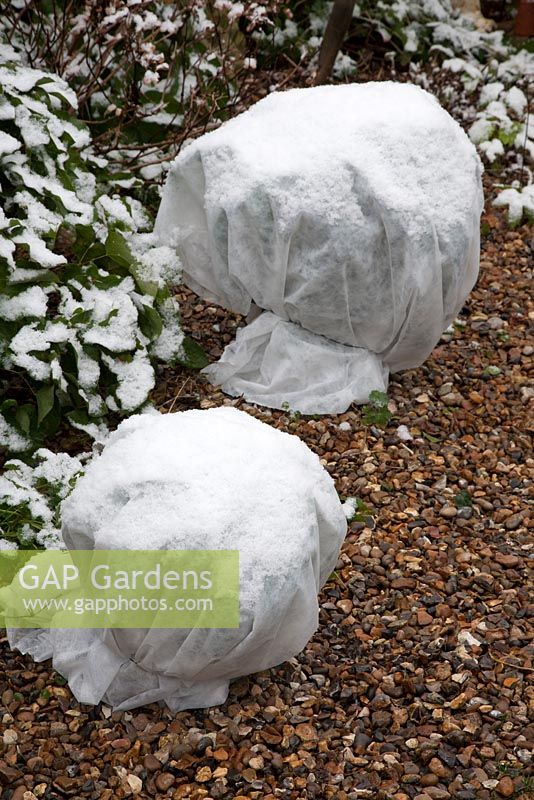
280,364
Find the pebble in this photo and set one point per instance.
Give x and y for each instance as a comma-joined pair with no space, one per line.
404,434
151,763
507,559
65,784
459,701
306,732
120,744
449,512
19,793
430,779
439,769
164,781
135,783
513,522
505,787
423,617
203,775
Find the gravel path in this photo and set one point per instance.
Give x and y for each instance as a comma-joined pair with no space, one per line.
419,682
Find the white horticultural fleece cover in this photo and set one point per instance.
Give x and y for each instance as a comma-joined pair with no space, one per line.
349,215
207,480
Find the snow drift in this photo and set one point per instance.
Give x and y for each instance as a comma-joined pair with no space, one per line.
350,216
199,480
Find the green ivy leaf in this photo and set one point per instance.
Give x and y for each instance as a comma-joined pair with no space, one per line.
45,402
80,316
79,416
85,237
150,322
146,287
118,250
23,419
195,357
376,412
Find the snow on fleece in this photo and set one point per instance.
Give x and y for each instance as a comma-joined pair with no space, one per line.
211,479
316,133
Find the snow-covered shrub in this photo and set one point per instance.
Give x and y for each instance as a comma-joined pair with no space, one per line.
502,122
84,307
148,75
30,496
519,202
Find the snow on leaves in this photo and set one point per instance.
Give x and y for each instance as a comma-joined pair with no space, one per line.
83,282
